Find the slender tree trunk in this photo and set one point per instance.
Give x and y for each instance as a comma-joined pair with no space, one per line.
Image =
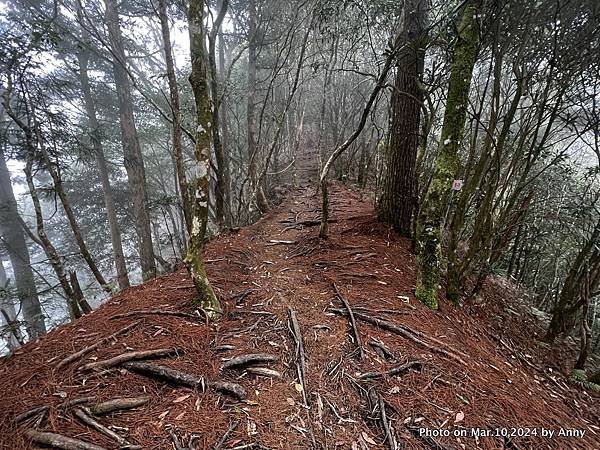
176,128
96,139
429,228
58,187
225,130
133,160
220,189
8,314
198,79
261,199
398,198
18,253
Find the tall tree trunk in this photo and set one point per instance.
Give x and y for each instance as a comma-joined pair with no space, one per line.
198,80
398,198
96,139
430,224
18,253
176,128
261,199
133,160
220,189
8,314
225,130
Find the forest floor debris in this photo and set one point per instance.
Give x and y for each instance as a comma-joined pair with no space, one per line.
476,367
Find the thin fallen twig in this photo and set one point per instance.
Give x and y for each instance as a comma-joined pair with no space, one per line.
156,312
231,429
300,355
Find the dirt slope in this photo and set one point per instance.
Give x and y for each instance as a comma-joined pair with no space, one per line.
480,366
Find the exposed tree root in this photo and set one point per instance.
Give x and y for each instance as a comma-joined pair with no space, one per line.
91,348
117,404
248,360
361,353
300,354
85,417
59,441
131,356
381,349
263,371
185,379
157,312
405,332
393,371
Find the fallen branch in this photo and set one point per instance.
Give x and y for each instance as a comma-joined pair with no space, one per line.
361,354
156,312
300,355
59,441
91,348
131,356
393,371
185,379
404,332
87,419
248,360
118,404
389,435
226,435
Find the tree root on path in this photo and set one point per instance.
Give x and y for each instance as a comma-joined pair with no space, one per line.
131,356
300,355
85,416
361,353
158,312
405,332
117,404
393,371
185,379
91,348
241,361
59,441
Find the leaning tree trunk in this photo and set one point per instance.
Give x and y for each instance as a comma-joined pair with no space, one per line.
132,152
176,127
109,202
430,223
194,258
398,197
18,253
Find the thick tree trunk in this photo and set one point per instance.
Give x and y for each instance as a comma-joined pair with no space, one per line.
176,128
430,224
198,79
16,247
96,139
398,197
132,153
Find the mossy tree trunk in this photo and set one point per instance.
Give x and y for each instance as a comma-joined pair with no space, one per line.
398,194
198,79
430,223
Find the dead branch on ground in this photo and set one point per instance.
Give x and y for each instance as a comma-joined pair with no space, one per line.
131,356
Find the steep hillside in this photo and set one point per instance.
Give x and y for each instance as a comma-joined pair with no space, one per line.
477,367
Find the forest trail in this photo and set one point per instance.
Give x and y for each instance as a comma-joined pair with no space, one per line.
477,366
